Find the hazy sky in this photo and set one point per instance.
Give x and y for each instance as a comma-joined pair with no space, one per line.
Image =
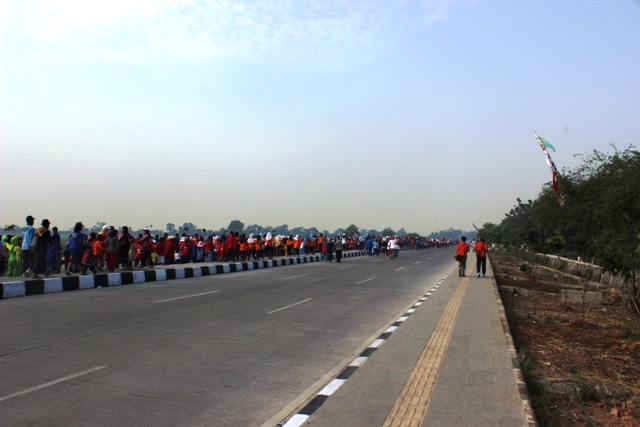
413,114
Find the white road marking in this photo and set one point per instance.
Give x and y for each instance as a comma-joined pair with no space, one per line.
398,269
188,296
429,258
358,361
376,343
370,278
50,383
297,420
347,266
411,310
391,329
289,306
293,277
331,387
418,262
402,319
378,260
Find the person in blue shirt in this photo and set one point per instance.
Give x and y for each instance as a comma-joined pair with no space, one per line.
28,256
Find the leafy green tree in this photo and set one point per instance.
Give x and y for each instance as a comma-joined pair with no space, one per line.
388,232
10,227
352,231
491,233
600,221
555,243
236,225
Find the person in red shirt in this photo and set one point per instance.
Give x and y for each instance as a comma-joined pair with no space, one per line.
461,256
481,257
185,250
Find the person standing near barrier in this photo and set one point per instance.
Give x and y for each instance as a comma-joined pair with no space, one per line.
461,256
40,250
339,247
481,257
28,256
76,248
125,240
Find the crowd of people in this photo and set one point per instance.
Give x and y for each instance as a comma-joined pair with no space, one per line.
39,251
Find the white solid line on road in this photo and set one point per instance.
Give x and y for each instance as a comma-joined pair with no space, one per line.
347,266
370,278
289,306
378,260
188,296
293,277
418,262
50,383
398,269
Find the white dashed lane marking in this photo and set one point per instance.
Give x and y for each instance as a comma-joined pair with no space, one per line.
293,277
188,296
366,280
289,306
50,383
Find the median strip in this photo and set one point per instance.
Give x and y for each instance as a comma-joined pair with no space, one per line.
30,287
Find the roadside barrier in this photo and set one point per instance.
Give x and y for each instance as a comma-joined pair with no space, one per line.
129,277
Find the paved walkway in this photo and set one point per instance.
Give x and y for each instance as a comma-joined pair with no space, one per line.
448,364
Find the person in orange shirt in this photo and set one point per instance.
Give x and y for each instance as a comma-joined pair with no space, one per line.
99,249
288,246
481,257
244,247
320,242
461,256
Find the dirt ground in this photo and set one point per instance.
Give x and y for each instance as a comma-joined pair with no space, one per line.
580,370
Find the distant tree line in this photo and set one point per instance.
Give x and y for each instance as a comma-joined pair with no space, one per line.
600,222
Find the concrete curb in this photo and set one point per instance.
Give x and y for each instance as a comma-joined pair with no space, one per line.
311,405
75,283
529,414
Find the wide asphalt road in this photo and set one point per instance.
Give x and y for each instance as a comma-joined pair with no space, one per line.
228,350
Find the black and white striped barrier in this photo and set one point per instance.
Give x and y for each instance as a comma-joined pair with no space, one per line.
75,283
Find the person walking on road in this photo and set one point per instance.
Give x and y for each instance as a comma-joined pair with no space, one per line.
481,257
461,256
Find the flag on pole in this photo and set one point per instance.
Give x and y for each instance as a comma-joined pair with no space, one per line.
554,170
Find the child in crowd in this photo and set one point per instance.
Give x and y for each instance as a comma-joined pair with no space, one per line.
14,268
99,249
